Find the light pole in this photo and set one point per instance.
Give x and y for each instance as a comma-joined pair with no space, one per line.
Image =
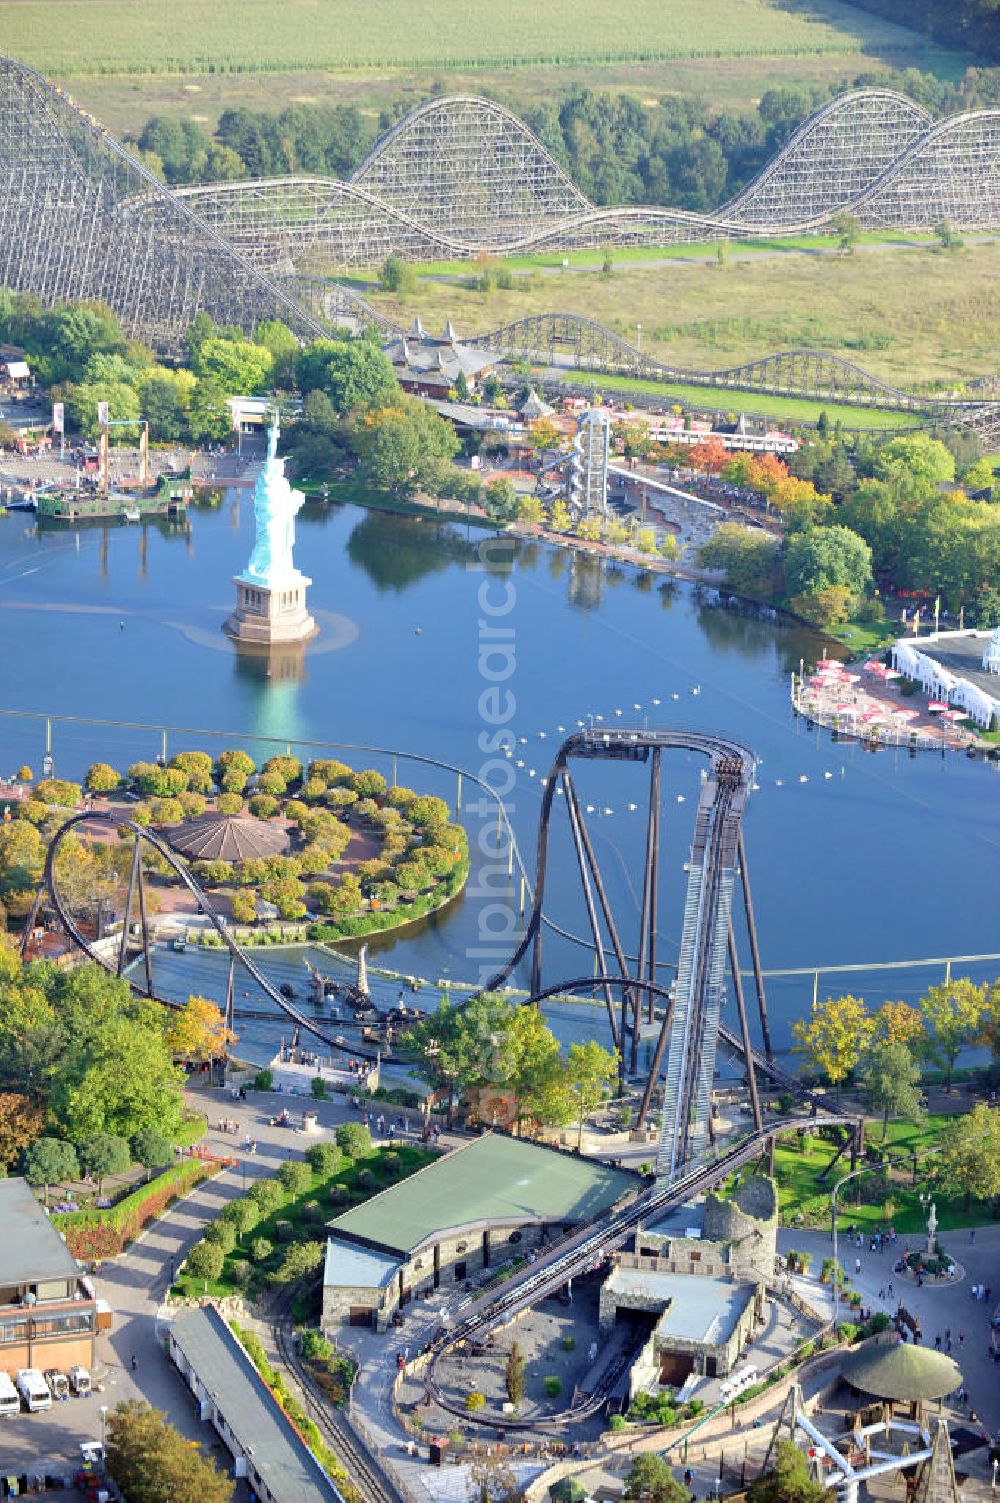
104,1428
864,1169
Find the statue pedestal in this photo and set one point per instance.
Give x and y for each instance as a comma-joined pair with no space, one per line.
266,615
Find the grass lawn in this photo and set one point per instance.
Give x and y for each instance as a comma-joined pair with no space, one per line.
624,255
803,1193
709,398
864,636
920,318
304,1225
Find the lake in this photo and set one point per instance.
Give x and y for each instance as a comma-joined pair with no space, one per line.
854,856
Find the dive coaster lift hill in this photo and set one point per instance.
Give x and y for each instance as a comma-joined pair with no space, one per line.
689,1010
82,219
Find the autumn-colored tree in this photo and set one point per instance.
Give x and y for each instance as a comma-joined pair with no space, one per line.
198,1031
765,473
530,510
545,434
21,1122
559,517
899,1023
590,1073
835,1037
953,1013
709,455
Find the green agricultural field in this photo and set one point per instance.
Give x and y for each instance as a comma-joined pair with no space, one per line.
128,59
188,36
919,317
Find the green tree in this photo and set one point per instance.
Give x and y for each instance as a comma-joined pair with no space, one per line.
324,1159
590,1074
49,1161
823,558
403,447
531,1068
891,1079
151,1149
916,459
953,1013
650,1480
749,558
789,1480
835,1037
969,1158
104,1154
244,1214
205,1260
197,768
353,373
239,367
398,276
847,229
294,1177
514,1378
500,500
151,1462
354,1140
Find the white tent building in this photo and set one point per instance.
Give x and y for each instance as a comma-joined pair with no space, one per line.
962,667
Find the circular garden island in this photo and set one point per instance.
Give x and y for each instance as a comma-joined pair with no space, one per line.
322,844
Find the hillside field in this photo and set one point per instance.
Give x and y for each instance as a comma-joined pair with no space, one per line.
126,59
916,316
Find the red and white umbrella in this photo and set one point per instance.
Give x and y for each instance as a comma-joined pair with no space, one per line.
906,714
892,673
937,706
844,709
953,715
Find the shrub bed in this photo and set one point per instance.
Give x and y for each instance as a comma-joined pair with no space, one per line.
393,918
296,1414
277,1246
103,1234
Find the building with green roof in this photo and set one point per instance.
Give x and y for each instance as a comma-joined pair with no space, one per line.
471,1210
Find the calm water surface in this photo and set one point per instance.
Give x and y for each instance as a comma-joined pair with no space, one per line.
870,858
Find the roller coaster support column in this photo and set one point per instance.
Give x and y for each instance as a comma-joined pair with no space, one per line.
134,878
647,923
758,973
31,921
230,1012
616,943
741,1007
655,1066
147,958
588,896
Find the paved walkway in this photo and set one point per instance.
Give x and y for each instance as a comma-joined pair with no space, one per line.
939,1306
136,1284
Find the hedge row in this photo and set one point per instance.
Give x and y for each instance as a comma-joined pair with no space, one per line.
103,1234
293,1409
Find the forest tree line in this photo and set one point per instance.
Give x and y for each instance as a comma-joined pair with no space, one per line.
682,152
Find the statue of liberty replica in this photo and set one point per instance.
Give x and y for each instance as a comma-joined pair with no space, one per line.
271,591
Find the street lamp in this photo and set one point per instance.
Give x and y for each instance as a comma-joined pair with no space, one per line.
104,1427
863,1169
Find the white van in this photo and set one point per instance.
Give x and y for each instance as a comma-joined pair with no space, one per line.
33,1390
10,1404
79,1380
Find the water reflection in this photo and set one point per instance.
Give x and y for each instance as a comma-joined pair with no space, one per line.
396,552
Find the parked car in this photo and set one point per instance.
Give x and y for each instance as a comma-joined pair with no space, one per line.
33,1389
10,1404
79,1381
58,1383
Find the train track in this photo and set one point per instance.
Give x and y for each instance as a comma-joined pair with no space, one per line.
368,1477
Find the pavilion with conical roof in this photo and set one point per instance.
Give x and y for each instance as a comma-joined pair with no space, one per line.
228,837
902,1373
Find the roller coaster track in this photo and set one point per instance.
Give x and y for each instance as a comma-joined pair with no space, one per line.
163,850
571,341
581,1252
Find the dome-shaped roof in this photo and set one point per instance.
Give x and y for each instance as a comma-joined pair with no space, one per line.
227,837
898,1370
